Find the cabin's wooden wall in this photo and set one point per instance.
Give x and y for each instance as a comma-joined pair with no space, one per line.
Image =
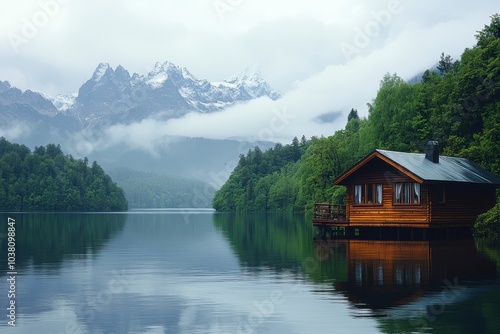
387,214
462,203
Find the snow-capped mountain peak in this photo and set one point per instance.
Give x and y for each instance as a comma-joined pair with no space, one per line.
247,74
156,79
100,71
187,75
250,81
167,89
63,102
160,73
112,96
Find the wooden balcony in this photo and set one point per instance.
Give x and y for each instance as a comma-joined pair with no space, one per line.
327,214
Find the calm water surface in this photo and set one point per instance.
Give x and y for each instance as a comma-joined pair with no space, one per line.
200,272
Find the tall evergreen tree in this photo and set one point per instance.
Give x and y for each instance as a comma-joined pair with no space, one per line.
353,114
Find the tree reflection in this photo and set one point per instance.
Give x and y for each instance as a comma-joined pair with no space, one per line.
46,239
411,286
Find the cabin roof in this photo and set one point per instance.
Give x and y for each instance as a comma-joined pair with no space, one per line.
416,166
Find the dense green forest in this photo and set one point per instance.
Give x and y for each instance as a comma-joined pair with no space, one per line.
46,179
256,184
457,105
149,190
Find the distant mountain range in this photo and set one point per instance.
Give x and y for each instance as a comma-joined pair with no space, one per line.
113,96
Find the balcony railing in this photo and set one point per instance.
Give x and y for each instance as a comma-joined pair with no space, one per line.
328,211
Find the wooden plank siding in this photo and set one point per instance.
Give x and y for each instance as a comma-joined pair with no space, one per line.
462,203
386,214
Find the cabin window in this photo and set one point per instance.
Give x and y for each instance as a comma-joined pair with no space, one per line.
416,193
407,193
369,193
358,194
378,198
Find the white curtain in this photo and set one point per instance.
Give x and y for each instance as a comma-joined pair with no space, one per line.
407,192
357,194
379,194
398,192
416,192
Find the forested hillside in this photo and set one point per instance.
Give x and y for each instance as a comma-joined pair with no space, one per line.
149,190
46,179
459,106
256,182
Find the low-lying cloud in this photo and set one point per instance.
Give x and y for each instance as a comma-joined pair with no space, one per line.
15,131
334,90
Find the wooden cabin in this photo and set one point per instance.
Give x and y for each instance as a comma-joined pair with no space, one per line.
395,189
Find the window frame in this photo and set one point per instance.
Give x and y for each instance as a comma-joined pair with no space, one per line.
365,190
407,193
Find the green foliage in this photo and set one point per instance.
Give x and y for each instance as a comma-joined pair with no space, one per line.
146,190
446,64
325,159
291,178
48,180
460,109
488,224
353,114
397,119
490,32
263,181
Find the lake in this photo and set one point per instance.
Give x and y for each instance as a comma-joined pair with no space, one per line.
172,271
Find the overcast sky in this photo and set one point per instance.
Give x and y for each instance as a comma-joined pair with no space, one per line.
323,55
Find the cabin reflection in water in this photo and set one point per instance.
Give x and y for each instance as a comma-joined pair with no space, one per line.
385,274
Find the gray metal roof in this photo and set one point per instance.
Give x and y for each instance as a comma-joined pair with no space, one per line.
448,169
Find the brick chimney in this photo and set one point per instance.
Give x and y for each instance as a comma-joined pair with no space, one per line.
432,151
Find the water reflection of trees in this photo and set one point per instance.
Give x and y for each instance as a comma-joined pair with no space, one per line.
46,239
281,242
411,286
276,241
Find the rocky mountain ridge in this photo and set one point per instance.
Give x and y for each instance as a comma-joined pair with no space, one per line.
113,96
